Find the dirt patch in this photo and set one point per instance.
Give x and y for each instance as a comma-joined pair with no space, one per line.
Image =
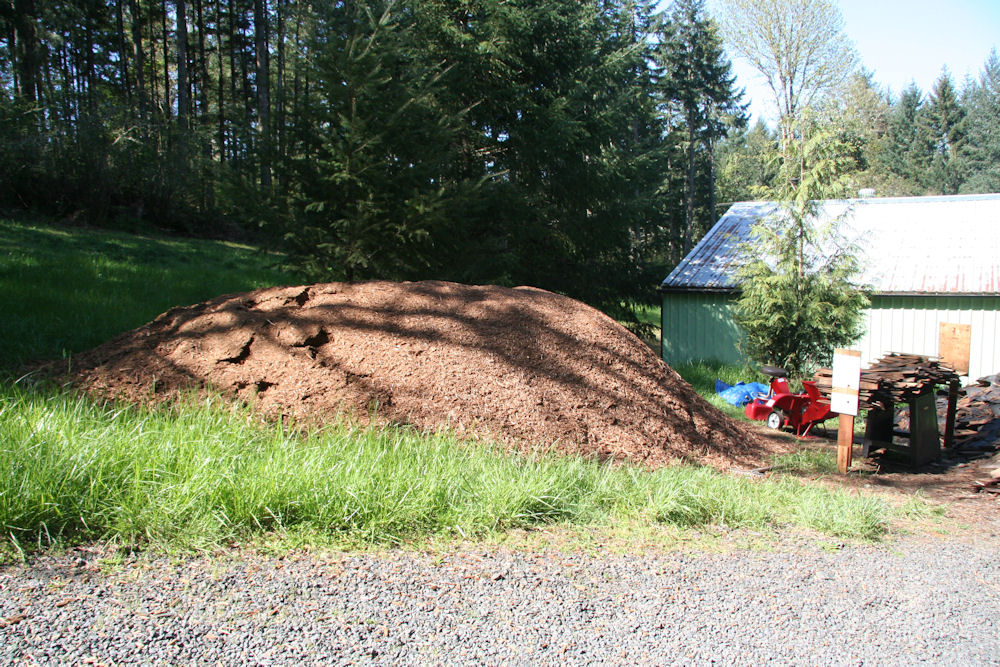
947,482
522,365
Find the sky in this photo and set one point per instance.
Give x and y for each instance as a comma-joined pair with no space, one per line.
903,41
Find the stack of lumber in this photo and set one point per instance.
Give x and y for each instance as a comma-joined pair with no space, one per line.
895,378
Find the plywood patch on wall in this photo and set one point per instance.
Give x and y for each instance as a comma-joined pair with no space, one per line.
954,345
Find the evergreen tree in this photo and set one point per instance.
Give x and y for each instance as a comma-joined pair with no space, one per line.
749,164
701,93
859,118
368,173
943,123
799,296
908,150
983,130
478,140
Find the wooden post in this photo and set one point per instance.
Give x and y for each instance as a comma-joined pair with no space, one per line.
845,442
844,395
949,423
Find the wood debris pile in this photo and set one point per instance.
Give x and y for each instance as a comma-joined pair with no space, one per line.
977,429
987,486
977,416
895,378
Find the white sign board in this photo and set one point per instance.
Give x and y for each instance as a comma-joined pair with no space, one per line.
846,381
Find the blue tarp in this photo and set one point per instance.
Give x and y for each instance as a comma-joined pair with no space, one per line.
740,393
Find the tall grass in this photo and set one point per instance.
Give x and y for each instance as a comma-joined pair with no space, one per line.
202,473
67,290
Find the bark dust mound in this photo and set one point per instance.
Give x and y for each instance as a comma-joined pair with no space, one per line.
521,365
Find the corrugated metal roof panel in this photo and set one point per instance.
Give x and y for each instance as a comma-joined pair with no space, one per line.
910,245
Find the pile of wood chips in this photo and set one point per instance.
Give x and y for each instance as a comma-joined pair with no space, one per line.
895,378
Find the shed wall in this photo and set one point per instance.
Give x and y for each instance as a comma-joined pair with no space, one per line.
700,326
911,324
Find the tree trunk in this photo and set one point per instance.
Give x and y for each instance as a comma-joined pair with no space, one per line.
88,59
26,41
202,61
710,146
12,49
296,81
183,86
154,88
231,26
166,61
280,86
123,74
222,81
248,147
689,194
263,90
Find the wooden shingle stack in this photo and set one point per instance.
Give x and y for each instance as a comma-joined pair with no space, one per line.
895,378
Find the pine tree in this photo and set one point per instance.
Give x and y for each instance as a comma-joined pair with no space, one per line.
799,295
983,128
368,168
748,162
701,92
908,149
944,126
859,117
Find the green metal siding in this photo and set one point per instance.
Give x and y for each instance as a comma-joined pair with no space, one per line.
911,324
698,327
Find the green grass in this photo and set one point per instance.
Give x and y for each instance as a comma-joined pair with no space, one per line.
807,462
200,473
204,473
702,376
649,315
67,290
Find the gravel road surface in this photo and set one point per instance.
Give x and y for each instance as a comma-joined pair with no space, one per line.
910,601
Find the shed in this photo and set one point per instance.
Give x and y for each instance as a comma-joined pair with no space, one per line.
928,261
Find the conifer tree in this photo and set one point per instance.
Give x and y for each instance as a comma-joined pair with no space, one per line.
748,166
983,130
944,127
701,89
908,150
799,292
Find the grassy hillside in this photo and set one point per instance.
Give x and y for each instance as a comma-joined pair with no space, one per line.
67,290
205,473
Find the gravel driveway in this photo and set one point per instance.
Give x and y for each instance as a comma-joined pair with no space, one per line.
912,600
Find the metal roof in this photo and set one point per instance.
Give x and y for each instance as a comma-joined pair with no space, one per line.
909,245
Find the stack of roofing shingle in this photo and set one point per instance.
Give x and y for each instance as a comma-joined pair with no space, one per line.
895,378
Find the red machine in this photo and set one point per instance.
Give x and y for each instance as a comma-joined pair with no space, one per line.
782,408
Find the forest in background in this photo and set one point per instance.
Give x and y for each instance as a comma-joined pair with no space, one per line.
582,146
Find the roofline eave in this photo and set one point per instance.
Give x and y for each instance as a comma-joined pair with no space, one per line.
676,289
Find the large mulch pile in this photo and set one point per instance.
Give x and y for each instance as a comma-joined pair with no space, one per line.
521,365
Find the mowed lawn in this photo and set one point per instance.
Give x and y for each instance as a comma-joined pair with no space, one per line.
205,472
